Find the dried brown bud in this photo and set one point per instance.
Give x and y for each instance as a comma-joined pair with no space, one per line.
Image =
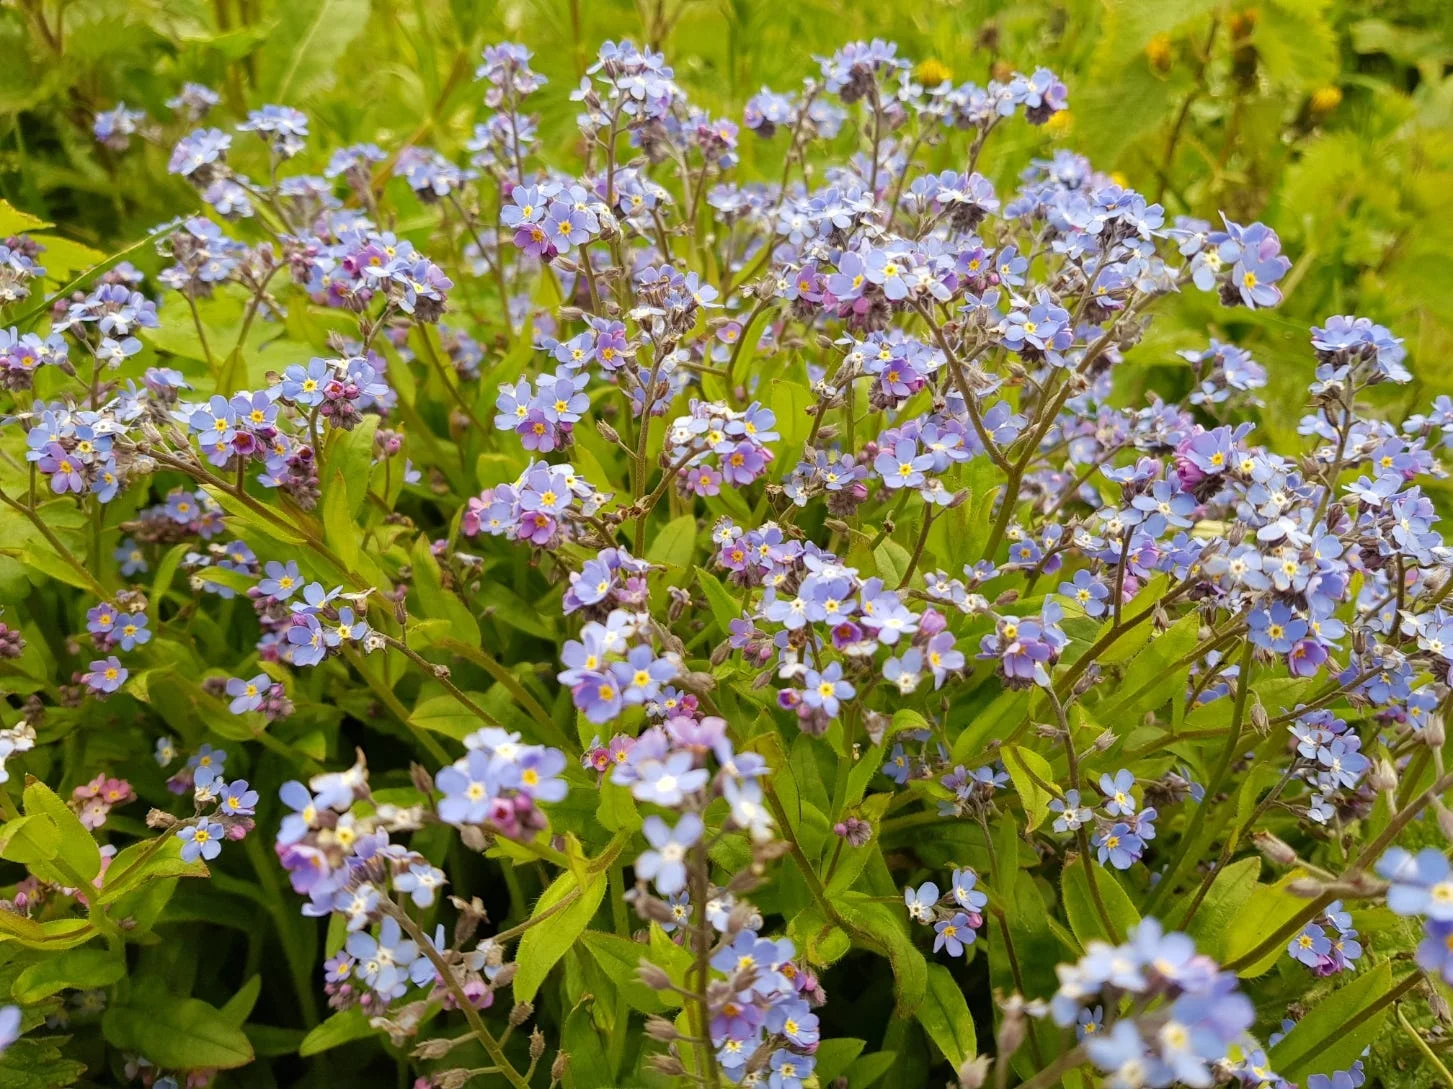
607,432
423,781
505,976
537,1044
658,1028
457,1078
159,818
559,1066
520,1013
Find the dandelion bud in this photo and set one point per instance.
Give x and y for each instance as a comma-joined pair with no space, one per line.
974,1072
1323,101
537,1043
653,976
1158,53
658,1028
1275,850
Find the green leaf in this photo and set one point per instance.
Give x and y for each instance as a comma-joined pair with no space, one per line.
180,1033
886,928
250,519
944,1015
834,1056
1266,908
892,560
76,848
29,839
239,1006
80,969
338,525
144,862
867,1069
674,544
1032,777
37,1063
1325,1039
620,958
1080,908
446,715
342,1028
724,607
541,946
312,36
1225,899
1150,679
14,221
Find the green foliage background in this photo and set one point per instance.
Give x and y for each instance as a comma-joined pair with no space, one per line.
1332,120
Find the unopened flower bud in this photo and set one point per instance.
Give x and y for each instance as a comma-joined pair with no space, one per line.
1307,888
669,1065
423,781
653,976
974,1072
436,1048
1011,1032
1275,850
520,1013
1383,776
1434,733
1260,720
452,1079
473,837
658,1028
1439,1005
1445,819
537,1043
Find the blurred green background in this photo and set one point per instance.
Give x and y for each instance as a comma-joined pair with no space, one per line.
1332,120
